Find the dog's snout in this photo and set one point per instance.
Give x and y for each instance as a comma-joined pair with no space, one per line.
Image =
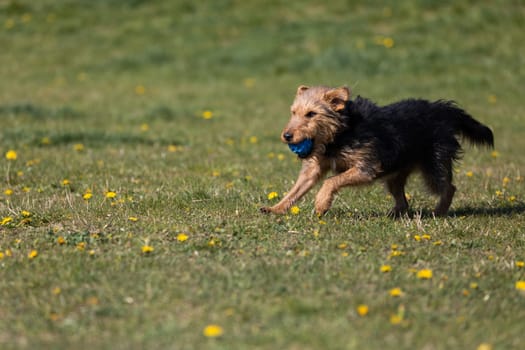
287,136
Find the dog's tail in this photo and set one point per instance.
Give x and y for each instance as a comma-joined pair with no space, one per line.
469,127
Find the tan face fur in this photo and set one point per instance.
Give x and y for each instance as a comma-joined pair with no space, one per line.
315,114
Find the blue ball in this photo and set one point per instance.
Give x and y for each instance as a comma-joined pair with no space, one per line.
303,148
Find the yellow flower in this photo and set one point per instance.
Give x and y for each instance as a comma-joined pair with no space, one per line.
8,192
520,285
273,195
281,156
181,237
249,82
66,182
395,292
207,114
61,240
1,255
87,195
253,139
484,346
78,147
492,98
469,173
362,310
8,252
6,220
133,218
56,291
144,127
424,274
505,181
111,194
494,154
146,249
295,210
386,268
395,319
520,263
140,90
388,43
427,237
81,246
213,331
437,243
25,213
32,254
11,155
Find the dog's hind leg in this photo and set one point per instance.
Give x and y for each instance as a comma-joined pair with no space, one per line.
395,184
438,176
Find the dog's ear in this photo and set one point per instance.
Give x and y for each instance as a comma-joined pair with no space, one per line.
301,89
337,98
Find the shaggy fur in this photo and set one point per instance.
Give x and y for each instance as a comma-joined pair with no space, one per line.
362,142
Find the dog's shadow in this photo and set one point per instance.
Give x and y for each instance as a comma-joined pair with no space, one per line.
467,211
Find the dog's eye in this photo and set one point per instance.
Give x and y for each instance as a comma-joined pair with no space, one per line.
310,114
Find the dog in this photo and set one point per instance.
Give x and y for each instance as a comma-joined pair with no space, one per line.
362,142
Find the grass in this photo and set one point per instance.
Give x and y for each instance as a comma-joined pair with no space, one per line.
109,97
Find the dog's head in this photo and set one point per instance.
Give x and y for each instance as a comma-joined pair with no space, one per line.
315,115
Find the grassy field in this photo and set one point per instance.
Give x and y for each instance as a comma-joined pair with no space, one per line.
139,139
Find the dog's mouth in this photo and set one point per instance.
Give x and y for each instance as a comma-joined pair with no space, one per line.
303,148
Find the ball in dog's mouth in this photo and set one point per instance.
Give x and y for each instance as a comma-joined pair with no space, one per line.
303,148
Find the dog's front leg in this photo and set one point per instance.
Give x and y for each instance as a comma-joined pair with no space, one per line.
351,177
310,174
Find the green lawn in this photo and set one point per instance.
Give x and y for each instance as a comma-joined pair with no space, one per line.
146,137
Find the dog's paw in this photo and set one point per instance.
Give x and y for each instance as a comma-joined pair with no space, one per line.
265,210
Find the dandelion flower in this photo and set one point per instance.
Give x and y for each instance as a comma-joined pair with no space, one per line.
56,291
424,274
342,245
362,310
79,147
146,249
207,114
11,155
87,196
66,182
133,218
484,346
32,254
520,264
1,255
385,268
388,43
144,127
295,210
520,285
140,90
8,192
426,237
469,174
61,240
395,292
253,139
273,195
494,154
213,331
111,194
181,237
395,319
6,220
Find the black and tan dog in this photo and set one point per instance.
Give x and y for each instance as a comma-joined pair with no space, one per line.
361,142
